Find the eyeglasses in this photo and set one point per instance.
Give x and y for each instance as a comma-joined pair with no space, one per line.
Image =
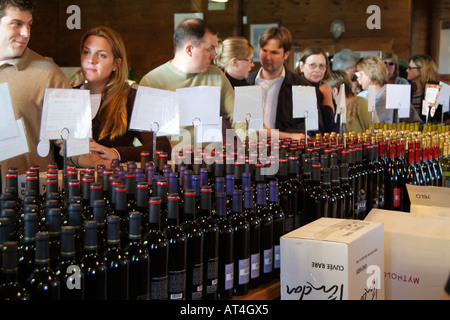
249,60
389,63
315,65
411,68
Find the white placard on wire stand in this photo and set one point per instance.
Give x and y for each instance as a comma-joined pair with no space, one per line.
8,125
201,102
371,107
341,108
155,106
398,97
304,105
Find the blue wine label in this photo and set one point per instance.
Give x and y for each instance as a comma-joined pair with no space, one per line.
268,260
229,276
244,271
276,257
254,271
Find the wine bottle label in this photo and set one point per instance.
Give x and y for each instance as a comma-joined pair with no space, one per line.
212,275
276,257
197,281
397,197
159,288
244,271
177,284
254,271
268,258
229,276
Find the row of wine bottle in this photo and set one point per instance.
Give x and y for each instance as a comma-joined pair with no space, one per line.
215,228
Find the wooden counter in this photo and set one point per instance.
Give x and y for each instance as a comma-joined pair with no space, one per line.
268,291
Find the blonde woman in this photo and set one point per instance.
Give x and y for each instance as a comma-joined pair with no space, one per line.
421,70
358,116
235,58
373,71
104,66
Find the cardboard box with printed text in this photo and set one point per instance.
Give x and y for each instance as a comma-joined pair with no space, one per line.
417,254
333,259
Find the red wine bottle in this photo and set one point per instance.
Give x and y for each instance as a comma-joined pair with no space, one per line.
177,250
117,265
195,244
241,245
158,247
10,287
137,254
226,248
393,187
92,265
255,237
27,249
211,245
266,218
72,280
43,283
278,225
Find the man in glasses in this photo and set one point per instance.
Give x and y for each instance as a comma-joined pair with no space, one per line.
276,81
28,75
195,47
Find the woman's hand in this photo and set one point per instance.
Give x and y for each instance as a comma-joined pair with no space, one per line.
103,152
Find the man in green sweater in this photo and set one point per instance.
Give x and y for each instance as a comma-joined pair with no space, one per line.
28,75
195,43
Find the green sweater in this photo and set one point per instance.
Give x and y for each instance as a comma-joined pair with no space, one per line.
169,77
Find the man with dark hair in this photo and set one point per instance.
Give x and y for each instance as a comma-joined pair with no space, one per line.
276,81
28,75
195,44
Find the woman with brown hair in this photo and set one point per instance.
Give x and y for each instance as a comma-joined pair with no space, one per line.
392,65
315,68
421,70
105,68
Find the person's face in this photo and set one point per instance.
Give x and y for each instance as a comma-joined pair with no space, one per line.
314,67
390,67
242,67
97,60
272,57
15,31
364,80
203,53
413,71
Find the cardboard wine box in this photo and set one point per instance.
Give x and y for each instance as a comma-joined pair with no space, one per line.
333,259
417,254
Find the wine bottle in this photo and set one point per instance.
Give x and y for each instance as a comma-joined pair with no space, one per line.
177,250
331,200
161,192
285,195
278,225
362,191
401,172
380,169
392,184
446,166
67,270
437,166
92,265
43,283
266,218
195,244
117,265
211,245
337,192
241,245
76,220
226,248
139,258
142,198
54,232
349,195
411,178
255,237
158,247
11,288
317,199
27,249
